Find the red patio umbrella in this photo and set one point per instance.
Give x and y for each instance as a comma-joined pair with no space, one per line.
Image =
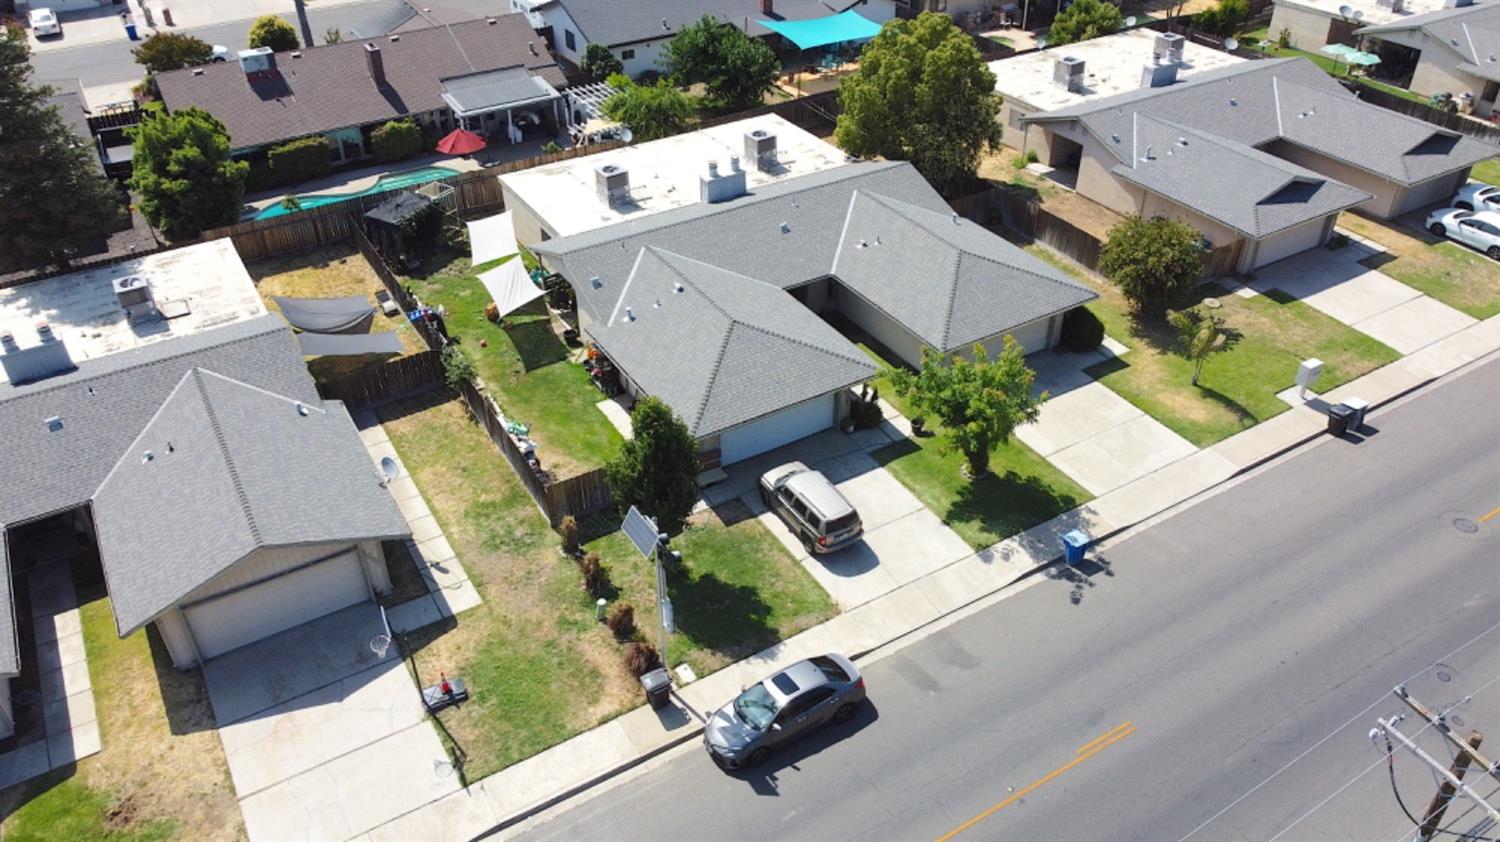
460,142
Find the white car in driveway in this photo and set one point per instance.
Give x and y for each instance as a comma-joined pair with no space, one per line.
1478,229
1476,195
44,22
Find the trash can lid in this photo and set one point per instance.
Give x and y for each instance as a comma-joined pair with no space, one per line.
1340,410
656,679
1076,537
1356,403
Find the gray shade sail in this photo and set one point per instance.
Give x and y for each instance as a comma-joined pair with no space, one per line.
348,344
326,315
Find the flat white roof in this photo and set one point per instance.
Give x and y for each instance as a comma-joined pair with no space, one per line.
663,173
208,280
1111,65
1369,13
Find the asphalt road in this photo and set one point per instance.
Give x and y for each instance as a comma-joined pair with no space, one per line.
1259,630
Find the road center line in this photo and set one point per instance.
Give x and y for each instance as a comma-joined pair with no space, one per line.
1109,738
1490,515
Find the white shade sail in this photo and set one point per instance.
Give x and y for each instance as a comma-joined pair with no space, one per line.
492,238
510,286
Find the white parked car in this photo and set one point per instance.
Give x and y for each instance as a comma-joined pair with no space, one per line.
221,53
1479,229
45,22
1477,195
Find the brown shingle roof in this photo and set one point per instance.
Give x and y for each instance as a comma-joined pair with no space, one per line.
329,87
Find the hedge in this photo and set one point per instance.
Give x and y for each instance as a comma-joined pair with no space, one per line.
396,141
301,159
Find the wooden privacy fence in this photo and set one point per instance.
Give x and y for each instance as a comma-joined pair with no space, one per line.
398,378
813,112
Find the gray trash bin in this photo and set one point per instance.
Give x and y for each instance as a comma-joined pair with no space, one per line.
1338,419
658,686
1358,406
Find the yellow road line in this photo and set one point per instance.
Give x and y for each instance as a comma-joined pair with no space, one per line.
1490,515
1088,750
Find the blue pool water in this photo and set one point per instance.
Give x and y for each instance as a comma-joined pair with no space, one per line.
410,178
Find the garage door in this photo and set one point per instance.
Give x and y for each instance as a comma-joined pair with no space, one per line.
1298,238
774,430
241,617
1033,337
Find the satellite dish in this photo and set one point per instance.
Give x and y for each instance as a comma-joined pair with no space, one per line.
389,468
625,134
1130,21
1231,44
1041,42
1345,11
1359,14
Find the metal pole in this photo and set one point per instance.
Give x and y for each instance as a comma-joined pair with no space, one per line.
1492,768
307,35
1444,794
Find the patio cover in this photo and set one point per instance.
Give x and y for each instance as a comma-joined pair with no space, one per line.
491,238
510,286
819,32
348,344
326,315
495,90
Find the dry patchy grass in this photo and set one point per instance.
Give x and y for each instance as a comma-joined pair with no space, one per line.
1453,274
998,167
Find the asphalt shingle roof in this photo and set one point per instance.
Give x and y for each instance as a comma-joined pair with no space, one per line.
720,348
1471,31
613,22
1257,102
10,655
223,469
329,87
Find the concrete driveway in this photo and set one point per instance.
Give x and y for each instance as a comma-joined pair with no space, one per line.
325,740
1334,282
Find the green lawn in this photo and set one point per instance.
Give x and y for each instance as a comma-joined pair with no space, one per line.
526,366
1237,390
69,809
1250,39
1453,274
1022,490
540,668
1487,171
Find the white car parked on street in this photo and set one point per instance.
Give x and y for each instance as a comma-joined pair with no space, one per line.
1476,195
1479,229
44,22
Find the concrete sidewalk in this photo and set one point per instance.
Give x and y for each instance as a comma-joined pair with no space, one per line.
567,769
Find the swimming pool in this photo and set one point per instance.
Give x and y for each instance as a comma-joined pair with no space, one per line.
396,181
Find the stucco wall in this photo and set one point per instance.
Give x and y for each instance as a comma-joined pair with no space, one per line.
1217,233
528,226
1428,192
1095,181
174,633
1010,134
1384,191
557,18
1309,29
648,55
263,564
900,341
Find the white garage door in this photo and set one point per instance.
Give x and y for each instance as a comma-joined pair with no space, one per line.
1298,238
774,430
242,617
1033,338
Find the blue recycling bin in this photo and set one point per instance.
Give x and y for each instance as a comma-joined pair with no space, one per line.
130,31
1075,543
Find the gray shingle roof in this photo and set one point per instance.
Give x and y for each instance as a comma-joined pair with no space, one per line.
948,280
1254,193
223,469
1471,31
612,22
329,87
720,348
1255,103
10,655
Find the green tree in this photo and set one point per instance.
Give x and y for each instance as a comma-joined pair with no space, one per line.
333,35
1084,20
657,468
54,201
271,31
979,402
184,175
1199,335
651,111
735,69
171,51
302,159
1224,18
599,63
921,94
396,141
1156,262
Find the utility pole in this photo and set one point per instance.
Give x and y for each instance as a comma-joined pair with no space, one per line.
1388,727
1446,791
1440,723
307,38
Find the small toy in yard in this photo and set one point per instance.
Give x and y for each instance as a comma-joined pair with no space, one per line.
446,693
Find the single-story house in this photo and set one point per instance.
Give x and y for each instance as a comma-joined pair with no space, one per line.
1310,24
1450,50
713,306
482,75
1259,155
638,32
169,422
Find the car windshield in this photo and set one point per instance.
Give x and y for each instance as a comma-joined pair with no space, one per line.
839,524
756,707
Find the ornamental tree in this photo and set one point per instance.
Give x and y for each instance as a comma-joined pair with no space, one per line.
184,175
171,51
1084,20
651,111
657,468
599,63
735,69
979,402
921,94
271,31
1156,262
1199,335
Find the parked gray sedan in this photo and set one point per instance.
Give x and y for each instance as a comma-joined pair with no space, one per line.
789,704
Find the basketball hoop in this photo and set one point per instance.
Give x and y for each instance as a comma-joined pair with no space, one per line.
380,644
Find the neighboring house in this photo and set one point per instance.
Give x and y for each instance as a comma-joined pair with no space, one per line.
1310,24
179,434
1453,51
481,74
1260,156
638,32
713,306
1101,67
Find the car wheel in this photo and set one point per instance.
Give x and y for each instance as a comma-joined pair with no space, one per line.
844,714
807,544
1463,206
1437,229
765,496
757,757
1493,252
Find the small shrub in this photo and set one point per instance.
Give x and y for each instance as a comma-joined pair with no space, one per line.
569,530
458,369
396,140
551,147
595,582
641,658
621,621
866,414
1031,157
1018,162
1082,330
1284,39
300,160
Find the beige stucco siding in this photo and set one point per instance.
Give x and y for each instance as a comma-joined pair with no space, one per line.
1435,190
179,642
1309,29
1385,192
1217,233
1095,181
872,320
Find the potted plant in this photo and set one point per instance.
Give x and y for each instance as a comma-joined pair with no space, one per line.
918,425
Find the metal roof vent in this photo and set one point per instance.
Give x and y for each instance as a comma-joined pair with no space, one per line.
1182,141
530,45
629,314
395,39
197,71
42,360
302,409
1233,102
490,21
785,228
148,456
664,26
54,424
595,282
677,287
296,54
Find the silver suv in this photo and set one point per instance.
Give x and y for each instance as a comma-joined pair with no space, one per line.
788,705
821,517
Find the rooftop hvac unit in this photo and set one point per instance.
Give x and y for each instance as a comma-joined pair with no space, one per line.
719,186
1158,75
613,184
256,61
1068,72
25,365
1168,47
760,149
134,294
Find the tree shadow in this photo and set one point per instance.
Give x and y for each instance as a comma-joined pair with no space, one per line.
184,694
535,343
1008,503
729,619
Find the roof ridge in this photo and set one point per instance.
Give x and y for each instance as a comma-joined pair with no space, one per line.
713,370
234,475
795,341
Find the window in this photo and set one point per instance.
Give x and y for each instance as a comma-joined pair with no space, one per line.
1015,119
800,508
568,39
804,703
830,668
627,55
